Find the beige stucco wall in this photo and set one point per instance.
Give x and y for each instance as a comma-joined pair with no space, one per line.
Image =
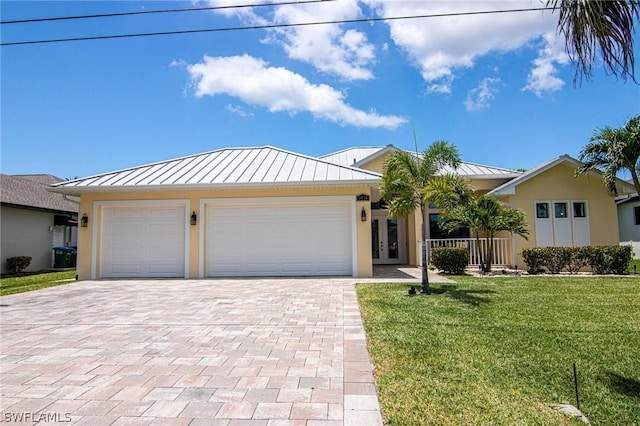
375,165
89,200
559,183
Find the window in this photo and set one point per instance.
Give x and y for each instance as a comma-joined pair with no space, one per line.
542,210
436,232
560,210
579,209
432,205
636,215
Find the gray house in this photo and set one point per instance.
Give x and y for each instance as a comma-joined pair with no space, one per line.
34,220
629,222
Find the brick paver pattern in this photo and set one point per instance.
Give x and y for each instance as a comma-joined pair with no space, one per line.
187,352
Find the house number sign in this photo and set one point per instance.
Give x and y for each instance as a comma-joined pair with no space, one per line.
362,197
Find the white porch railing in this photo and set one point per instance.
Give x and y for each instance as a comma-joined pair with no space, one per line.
501,249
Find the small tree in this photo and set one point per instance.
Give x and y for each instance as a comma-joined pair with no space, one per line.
17,264
404,180
481,214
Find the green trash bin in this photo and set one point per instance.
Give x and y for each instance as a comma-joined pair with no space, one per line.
62,257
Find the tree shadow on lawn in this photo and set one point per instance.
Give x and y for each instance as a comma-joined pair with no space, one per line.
622,385
469,297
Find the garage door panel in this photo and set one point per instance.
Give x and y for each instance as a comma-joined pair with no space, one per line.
278,238
143,241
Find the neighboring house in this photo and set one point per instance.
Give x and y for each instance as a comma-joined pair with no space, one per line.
269,212
562,209
629,222
34,220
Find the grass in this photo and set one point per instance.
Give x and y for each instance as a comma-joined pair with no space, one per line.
636,263
22,283
500,350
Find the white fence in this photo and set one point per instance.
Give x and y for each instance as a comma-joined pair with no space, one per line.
501,249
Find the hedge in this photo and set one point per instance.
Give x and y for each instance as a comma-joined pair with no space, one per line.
450,260
601,259
17,264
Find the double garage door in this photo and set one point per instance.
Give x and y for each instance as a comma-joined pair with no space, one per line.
242,237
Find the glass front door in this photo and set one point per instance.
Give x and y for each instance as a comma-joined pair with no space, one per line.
387,240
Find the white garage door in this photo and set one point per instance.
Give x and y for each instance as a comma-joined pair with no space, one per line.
143,241
268,238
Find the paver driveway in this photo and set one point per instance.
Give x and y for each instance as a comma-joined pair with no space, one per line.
187,352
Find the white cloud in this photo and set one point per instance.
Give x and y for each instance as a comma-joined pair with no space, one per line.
279,90
330,48
441,46
480,97
238,110
542,78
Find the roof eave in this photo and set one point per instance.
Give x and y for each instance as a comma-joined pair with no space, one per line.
365,160
77,190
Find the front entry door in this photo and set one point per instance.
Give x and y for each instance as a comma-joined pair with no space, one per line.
388,240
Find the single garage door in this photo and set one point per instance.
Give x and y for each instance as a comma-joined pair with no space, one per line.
143,241
279,238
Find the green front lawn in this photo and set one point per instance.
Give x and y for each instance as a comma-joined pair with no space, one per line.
22,283
500,350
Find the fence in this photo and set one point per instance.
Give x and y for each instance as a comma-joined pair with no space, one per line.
501,249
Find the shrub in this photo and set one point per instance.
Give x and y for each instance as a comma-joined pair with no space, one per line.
450,260
17,264
610,259
534,258
621,259
578,259
557,258
601,259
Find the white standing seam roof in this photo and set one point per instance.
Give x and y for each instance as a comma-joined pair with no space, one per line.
480,171
351,156
356,156
226,168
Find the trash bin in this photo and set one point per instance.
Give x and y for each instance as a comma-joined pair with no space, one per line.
62,257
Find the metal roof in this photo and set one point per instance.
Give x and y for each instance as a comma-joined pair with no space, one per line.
351,156
356,156
481,171
226,167
31,191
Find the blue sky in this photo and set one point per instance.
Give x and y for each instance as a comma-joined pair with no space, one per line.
497,86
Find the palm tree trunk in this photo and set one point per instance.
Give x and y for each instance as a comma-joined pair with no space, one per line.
480,251
425,268
489,253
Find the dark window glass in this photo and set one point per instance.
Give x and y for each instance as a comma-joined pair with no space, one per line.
542,210
436,232
560,210
636,215
579,209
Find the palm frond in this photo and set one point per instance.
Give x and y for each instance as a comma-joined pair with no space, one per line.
604,28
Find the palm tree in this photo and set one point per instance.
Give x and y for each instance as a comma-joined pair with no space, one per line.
404,179
599,26
483,214
612,151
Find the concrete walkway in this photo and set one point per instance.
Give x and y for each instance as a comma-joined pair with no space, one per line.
187,352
